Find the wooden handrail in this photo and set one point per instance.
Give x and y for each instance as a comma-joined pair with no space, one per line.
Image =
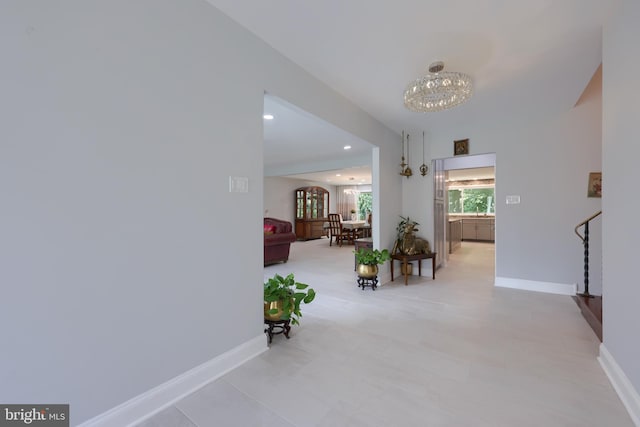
584,222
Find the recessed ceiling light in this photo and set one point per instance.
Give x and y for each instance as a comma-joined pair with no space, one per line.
268,116
338,174
347,147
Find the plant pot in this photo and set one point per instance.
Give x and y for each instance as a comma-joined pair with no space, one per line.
409,269
271,305
367,271
354,217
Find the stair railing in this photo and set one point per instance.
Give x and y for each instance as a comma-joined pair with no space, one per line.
585,242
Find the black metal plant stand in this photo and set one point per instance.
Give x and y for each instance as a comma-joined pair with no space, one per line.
276,327
366,281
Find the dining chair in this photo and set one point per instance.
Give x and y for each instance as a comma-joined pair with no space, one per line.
366,229
336,230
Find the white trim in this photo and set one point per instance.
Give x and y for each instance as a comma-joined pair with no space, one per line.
384,277
627,393
155,400
533,285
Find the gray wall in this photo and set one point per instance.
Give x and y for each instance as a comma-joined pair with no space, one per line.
121,123
620,168
546,161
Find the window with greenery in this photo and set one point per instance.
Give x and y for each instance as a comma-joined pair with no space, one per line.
364,205
471,200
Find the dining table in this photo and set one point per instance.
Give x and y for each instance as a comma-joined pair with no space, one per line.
354,227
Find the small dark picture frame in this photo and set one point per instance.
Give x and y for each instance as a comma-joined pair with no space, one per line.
595,184
460,146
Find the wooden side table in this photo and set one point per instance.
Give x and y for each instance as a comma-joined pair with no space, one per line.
404,259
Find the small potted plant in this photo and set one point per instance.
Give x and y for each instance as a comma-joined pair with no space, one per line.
353,215
283,296
367,261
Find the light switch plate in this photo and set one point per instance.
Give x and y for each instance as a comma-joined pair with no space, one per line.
238,184
513,200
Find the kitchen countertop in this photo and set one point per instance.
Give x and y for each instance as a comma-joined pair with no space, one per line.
471,217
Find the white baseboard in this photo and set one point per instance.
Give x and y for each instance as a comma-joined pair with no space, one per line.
384,278
627,393
155,400
533,285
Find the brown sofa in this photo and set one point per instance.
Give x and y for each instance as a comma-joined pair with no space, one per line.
277,240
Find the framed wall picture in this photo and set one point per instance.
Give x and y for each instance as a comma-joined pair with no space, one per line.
460,146
595,185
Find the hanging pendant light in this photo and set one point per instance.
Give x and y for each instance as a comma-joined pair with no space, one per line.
402,163
407,171
424,169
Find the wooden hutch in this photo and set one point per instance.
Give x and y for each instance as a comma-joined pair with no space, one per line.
312,211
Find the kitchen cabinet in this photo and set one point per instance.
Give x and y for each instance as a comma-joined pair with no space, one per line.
484,230
454,235
478,229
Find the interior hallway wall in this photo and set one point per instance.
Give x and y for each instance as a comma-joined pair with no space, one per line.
621,317
120,122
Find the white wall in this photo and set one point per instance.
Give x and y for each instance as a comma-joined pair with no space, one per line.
121,123
621,151
546,162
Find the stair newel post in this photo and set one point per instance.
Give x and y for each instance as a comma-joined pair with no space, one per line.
586,260
585,242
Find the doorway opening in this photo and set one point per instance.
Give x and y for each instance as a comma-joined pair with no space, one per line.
302,151
464,204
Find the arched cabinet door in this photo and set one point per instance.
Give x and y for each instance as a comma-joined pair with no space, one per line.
312,211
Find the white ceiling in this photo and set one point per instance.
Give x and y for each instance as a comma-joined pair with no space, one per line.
526,57
296,141
357,175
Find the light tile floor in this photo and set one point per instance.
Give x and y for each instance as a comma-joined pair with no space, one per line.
451,352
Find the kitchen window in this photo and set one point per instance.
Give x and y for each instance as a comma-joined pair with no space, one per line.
471,201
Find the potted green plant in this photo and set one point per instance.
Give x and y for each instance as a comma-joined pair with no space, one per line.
353,215
367,261
283,296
